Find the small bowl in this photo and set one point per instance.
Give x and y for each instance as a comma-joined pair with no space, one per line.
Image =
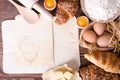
82,22
48,7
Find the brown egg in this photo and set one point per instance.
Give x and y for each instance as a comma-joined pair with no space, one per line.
89,36
103,41
99,28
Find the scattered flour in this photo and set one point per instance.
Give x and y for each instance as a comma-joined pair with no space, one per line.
101,9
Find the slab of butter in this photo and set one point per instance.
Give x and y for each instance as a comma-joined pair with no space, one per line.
36,48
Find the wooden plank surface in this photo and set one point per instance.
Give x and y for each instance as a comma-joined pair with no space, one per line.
8,11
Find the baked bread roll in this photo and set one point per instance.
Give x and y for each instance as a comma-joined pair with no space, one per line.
97,73
65,10
105,60
92,72
84,73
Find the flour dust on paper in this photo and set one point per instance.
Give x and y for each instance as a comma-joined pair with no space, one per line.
29,53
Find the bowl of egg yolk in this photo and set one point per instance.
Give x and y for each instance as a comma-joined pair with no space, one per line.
82,22
50,4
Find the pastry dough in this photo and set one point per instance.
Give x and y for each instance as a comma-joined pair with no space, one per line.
35,43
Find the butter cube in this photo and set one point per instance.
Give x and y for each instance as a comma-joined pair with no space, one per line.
63,78
68,75
58,75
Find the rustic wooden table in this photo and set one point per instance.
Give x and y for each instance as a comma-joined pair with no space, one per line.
8,11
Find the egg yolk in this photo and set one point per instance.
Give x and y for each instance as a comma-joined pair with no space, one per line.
49,3
82,21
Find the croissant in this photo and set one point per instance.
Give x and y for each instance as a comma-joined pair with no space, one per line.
65,10
105,60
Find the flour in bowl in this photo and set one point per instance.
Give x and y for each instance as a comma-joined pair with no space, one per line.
101,9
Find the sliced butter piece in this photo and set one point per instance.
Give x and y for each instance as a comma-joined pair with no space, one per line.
58,75
68,75
63,78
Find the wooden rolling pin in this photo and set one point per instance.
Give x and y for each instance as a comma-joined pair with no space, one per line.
33,4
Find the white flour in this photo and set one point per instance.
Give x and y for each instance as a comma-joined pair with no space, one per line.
101,9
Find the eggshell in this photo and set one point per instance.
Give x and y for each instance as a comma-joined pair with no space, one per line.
99,28
103,41
89,36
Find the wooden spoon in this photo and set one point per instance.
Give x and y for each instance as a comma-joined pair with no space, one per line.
29,15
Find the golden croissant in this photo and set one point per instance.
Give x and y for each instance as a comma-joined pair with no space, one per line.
105,60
